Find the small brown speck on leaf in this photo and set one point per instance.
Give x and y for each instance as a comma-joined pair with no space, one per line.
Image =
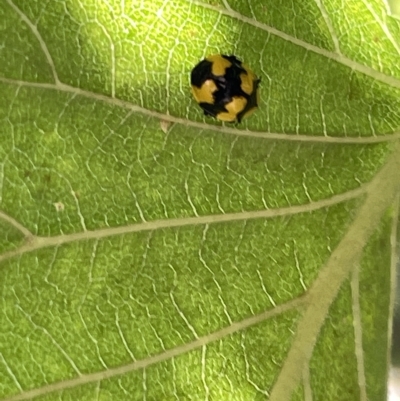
59,206
165,126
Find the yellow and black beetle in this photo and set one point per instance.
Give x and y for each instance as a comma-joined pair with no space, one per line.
225,88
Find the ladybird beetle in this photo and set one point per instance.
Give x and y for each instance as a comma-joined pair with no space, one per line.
225,88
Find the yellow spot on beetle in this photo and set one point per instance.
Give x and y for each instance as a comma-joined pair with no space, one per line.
205,93
219,64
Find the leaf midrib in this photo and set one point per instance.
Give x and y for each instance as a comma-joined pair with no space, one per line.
381,193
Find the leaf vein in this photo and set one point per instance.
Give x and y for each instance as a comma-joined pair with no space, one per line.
37,242
164,356
369,71
357,325
329,25
204,126
10,220
39,38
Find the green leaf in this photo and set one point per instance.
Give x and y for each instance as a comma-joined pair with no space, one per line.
150,253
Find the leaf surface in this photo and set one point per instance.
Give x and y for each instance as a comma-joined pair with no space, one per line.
150,253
